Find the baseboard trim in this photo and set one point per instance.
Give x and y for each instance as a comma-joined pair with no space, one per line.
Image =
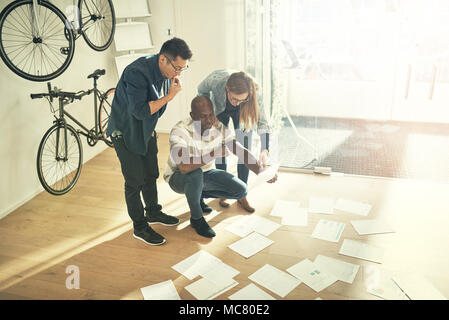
13,207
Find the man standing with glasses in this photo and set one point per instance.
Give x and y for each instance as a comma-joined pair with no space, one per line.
141,97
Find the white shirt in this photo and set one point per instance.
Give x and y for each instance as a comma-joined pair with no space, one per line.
185,135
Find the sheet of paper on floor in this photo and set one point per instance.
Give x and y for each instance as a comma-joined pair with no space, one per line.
378,282
200,262
205,289
342,270
354,207
275,280
321,205
371,226
312,275
160,291
246,225
251,292
282,207
328,230
296,218
362,250
218,272
251,244
416,287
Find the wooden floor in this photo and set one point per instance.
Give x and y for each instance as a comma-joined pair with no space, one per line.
90,228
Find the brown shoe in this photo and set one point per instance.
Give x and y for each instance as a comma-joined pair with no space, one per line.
245,205
223,203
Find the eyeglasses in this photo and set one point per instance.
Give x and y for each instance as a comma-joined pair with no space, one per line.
177,69
237,101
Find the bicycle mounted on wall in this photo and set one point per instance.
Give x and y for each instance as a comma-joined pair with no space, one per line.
37,41
60,153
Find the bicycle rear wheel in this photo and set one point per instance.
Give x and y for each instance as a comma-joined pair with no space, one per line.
104,113
37,50
59,171
97,22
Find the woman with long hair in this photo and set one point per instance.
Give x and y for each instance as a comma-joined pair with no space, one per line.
235,96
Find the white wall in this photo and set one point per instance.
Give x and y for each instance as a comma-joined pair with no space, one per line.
213,31
24,121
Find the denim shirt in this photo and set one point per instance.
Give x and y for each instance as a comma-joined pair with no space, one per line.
214,86
141,82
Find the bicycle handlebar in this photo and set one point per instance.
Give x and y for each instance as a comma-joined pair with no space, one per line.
56,93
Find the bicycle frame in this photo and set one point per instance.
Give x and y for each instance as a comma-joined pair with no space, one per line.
85,131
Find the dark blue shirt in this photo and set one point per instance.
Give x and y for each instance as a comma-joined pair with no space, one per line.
141,82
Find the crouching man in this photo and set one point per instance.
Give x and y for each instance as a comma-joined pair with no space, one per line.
195,143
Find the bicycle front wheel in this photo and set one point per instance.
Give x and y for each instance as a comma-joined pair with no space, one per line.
97,22
104,113
34,42
59,168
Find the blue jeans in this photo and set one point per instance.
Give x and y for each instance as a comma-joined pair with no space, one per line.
210,184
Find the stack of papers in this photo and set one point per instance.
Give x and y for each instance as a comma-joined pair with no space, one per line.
204,289
342,270
245,225
355,207
313,276
328,230
373,226
321,205
250,245
275,280
361,250
251,292
160,291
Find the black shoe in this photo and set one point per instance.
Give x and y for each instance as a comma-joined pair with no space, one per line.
202,228
205,207
149,236
161,218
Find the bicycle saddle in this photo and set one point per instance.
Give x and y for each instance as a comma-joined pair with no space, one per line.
97,74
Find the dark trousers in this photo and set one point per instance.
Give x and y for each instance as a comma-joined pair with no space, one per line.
243,137
140,173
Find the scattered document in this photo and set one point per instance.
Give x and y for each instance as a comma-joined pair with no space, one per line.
296,218
321,205
251,292
204,289
282,207
218,272
328,230
245,225
312,275
266,175
362,250
379,283
275,280
418,288
371,226
160,291
251,244
343,271
355,207
196,264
